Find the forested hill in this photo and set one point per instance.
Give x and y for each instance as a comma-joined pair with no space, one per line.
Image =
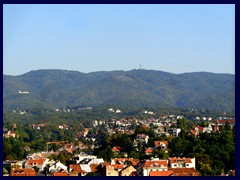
143,88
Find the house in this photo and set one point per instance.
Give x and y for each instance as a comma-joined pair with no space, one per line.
23,172
193,132
208,129
161,145
118,111
110,171
113,170
160,173
196,131
219,124
149,150
58,166
117,149
184,172
174,131
39,162
83,158
18,164
8,134
77,169
127,171
85,165
152,165
60,174
177,162
125,161
142,138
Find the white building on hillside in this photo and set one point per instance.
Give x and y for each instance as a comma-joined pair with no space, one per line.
177,162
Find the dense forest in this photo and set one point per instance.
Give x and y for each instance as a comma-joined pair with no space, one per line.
61,88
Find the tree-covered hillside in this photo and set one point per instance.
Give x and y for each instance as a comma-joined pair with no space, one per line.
143,88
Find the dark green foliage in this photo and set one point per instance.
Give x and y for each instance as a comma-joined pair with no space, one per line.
123,141
214,152
142,88
106,153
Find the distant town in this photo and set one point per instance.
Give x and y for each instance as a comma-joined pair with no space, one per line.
144,144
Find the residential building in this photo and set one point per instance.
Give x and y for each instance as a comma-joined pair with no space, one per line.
60,174
152,165
117,149
177,162
58,166
8,134
160,173
40,163
161,145
174,131
111,170
23,172
184,172
127,171
149,150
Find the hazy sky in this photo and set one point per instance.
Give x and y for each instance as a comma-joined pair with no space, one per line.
87,38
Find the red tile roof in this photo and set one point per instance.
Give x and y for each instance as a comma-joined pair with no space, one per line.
200,128
220,121
37,161
143,136
160,173
159,163
176,160
194,132
134,162
184,171
94,167
160,143
60,174
117,148
76,168
118,166
149,150
23,172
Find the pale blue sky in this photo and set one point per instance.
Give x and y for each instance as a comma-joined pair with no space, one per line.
87,38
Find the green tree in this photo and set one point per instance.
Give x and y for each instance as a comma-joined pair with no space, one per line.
106,153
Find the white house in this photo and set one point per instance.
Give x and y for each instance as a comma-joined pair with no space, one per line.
174,131
177,162
57,166
152,165
39,162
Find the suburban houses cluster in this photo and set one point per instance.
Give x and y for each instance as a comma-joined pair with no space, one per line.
84,164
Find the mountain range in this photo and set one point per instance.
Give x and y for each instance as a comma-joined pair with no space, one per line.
143,88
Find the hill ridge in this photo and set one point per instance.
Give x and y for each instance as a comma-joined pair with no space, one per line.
137,87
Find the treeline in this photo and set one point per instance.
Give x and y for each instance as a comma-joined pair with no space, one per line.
214,152
16,148
38,115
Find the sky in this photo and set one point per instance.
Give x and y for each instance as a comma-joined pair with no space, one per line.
87,38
